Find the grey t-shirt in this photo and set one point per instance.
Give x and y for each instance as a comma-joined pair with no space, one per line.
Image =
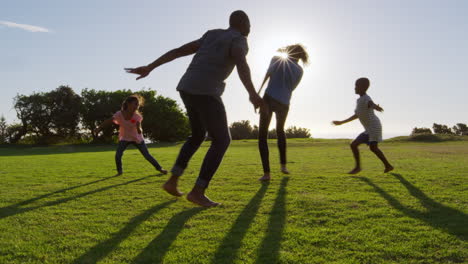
212,63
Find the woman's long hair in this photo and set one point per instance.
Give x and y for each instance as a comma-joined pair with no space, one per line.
296,51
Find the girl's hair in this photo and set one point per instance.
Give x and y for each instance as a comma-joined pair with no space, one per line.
296,51
133,98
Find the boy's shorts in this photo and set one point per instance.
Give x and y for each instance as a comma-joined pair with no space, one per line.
364,138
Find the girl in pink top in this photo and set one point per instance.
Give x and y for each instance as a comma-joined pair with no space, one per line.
129,121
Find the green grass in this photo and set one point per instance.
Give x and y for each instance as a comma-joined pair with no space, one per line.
429,138
62,205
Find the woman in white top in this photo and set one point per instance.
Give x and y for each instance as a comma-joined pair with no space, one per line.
373,128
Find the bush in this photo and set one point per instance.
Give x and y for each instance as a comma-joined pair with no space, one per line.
422,130
272,134
241,130
435,138
425,137
297,132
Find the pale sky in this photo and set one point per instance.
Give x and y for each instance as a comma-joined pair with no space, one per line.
414,53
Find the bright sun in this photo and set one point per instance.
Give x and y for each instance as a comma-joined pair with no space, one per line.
282,55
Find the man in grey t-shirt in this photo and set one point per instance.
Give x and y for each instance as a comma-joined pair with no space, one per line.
201,87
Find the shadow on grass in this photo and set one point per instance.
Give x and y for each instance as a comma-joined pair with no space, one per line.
157,249
56,192
16,209
227,251
269,249
28,150
100,251
437,215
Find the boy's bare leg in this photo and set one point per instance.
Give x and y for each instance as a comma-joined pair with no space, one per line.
171,186
354,148
374,148
197,196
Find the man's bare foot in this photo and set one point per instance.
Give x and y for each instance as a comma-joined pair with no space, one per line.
118,174
163,171
284,170
388,168
171,187
354,171
201,199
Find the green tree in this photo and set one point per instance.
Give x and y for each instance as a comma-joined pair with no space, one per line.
3,130
255,132
272,134
14,133
97,106
163,119
441,129
422,130
34,113
50,116
241,130
460,129
65,111
297,132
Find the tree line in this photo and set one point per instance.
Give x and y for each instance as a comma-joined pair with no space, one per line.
244,130
460,129
63,116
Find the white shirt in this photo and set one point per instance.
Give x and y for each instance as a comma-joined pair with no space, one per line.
368,118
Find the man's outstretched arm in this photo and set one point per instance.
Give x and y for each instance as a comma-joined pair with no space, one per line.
184,50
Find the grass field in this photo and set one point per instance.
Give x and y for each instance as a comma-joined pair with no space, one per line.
62,204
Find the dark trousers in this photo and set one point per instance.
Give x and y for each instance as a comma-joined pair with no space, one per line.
206,115
281,112
141,147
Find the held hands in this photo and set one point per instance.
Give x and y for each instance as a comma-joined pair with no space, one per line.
257,102
143,71
263,109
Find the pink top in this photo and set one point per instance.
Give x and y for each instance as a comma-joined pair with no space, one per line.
128,128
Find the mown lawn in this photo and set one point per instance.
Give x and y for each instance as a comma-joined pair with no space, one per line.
62,204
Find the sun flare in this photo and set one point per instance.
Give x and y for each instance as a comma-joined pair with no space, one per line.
282,55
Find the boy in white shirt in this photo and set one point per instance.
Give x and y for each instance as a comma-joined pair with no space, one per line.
373,128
